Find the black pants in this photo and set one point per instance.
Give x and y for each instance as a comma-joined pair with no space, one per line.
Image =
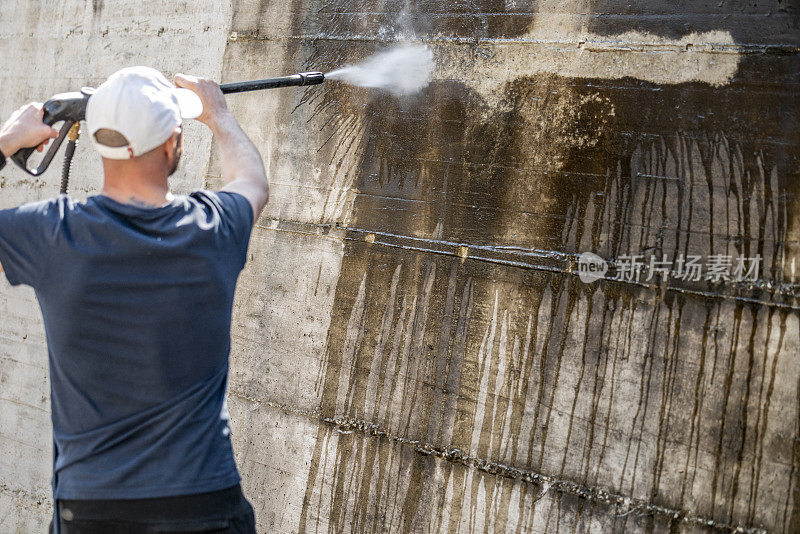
220,512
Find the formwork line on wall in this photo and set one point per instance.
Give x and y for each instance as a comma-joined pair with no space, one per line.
621,504
561,262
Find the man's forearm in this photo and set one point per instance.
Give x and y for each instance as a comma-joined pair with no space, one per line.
4,153
5,146
8,143
240,158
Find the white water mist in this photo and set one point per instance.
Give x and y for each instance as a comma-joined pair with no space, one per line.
402,70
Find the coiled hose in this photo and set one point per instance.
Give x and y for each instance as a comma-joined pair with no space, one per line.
72,142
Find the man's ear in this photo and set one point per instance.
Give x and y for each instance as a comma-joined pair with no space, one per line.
172,141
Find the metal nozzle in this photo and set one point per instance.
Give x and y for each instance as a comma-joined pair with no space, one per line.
74,132
312,78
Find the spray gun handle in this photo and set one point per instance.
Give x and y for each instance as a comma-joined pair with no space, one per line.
71,108
67,107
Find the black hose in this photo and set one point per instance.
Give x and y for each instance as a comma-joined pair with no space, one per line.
67,166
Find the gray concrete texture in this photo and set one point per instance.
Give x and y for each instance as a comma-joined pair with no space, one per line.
412,349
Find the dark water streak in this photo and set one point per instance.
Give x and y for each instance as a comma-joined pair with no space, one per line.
497,358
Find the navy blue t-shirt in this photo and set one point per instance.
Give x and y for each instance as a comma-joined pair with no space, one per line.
137,310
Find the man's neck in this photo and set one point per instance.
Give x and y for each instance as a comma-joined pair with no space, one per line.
140,199
145,190
143,198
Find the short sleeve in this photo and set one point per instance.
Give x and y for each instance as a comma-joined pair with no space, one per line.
25,232
235,219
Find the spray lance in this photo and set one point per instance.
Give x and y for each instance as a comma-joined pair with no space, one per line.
402,70
71,109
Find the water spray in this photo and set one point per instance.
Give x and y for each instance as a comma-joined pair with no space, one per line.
401,71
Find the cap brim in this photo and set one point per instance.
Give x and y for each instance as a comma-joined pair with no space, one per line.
190,104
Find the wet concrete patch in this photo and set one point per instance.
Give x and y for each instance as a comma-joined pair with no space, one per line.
607,387
665,397
532,147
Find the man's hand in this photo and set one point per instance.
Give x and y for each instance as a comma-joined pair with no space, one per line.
242,168
213,100
25,129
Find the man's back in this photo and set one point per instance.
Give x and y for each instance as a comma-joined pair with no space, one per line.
137,305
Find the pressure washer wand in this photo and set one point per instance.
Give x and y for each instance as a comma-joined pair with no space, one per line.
71,109
295,80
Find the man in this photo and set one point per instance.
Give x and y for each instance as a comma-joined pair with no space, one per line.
136,290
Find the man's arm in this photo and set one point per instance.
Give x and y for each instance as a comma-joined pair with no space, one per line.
25,129
242,167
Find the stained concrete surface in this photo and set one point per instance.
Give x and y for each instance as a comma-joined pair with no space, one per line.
412,351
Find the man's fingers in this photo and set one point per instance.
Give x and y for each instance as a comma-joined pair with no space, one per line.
189,81
25,129
185,80
210,95
180,81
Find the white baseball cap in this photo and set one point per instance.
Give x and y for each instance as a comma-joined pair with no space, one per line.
140,104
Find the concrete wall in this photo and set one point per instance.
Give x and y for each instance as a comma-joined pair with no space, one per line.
412,350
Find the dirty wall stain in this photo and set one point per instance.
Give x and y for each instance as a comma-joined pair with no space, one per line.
675,399
611,393
557,155
558,379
